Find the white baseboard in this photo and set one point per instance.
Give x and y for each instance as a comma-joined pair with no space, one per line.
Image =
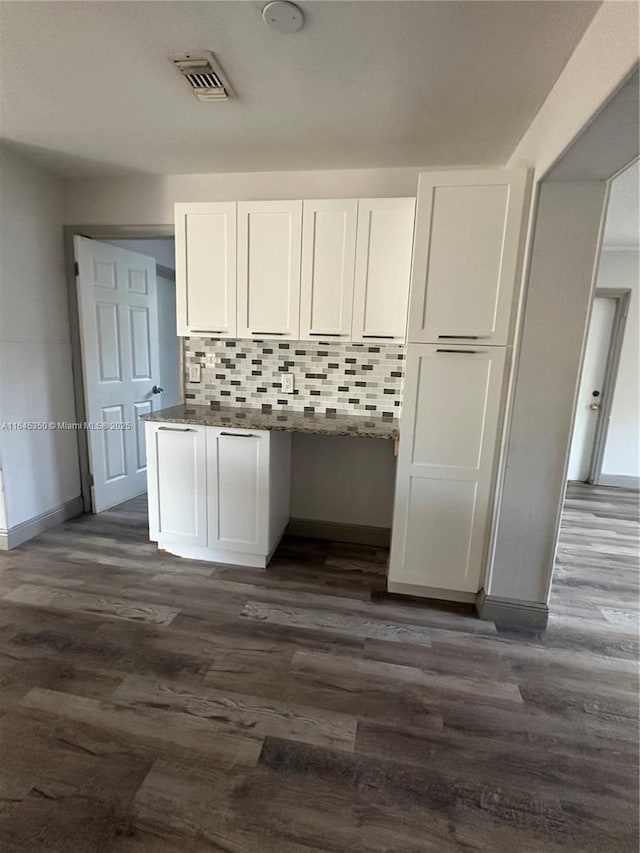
26,530
621,481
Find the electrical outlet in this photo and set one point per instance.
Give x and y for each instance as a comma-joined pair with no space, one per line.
194,372
287,383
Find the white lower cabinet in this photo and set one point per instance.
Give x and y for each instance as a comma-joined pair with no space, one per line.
218,494
176,484
446,460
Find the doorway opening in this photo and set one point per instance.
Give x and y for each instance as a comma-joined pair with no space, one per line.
605,445
127,357
596,563
598,387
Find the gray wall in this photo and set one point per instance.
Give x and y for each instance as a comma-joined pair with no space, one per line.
562,274
40,471
343,479
620,269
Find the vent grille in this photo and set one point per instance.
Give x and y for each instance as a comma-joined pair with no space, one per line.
204,75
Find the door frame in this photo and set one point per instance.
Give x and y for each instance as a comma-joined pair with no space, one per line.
564,240
94,232
622,298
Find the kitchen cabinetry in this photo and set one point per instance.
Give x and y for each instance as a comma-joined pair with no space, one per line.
328,261
468,241
383,267
468,247
269,246
335,268
448,440
218,494
205,245
176,484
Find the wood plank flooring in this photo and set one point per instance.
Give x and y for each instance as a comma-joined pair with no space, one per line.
155,705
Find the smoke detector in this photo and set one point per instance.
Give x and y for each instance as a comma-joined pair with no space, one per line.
283,16
203,74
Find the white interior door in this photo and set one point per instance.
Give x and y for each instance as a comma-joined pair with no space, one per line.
120,352
591,387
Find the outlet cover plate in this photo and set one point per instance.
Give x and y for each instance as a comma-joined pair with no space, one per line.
287,383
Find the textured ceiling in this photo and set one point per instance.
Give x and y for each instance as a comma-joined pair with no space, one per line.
86,86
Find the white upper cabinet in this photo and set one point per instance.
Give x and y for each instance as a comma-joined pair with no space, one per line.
446,467
206,269
383,268
466,257
328,261
269,245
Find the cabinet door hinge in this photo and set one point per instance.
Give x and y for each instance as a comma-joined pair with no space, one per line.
76,269
92,482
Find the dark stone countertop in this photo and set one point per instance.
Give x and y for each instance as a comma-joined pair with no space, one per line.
365,426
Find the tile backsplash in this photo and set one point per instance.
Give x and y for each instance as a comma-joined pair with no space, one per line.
329,376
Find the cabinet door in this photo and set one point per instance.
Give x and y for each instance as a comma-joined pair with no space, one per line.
269,242
383,268
328,260
176,475
466,256
206,269
448,435
238,489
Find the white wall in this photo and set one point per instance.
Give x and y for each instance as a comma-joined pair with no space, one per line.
540,416
620,269
164,253
605,55
39,468
149,200
562,274
343,479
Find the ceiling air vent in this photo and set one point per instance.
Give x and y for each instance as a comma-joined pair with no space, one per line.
204,75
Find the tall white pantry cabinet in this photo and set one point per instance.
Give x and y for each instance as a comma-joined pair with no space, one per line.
468,238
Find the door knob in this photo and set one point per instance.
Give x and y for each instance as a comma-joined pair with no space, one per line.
595,407
157,389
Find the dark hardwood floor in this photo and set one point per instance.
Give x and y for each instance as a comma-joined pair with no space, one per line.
155,705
